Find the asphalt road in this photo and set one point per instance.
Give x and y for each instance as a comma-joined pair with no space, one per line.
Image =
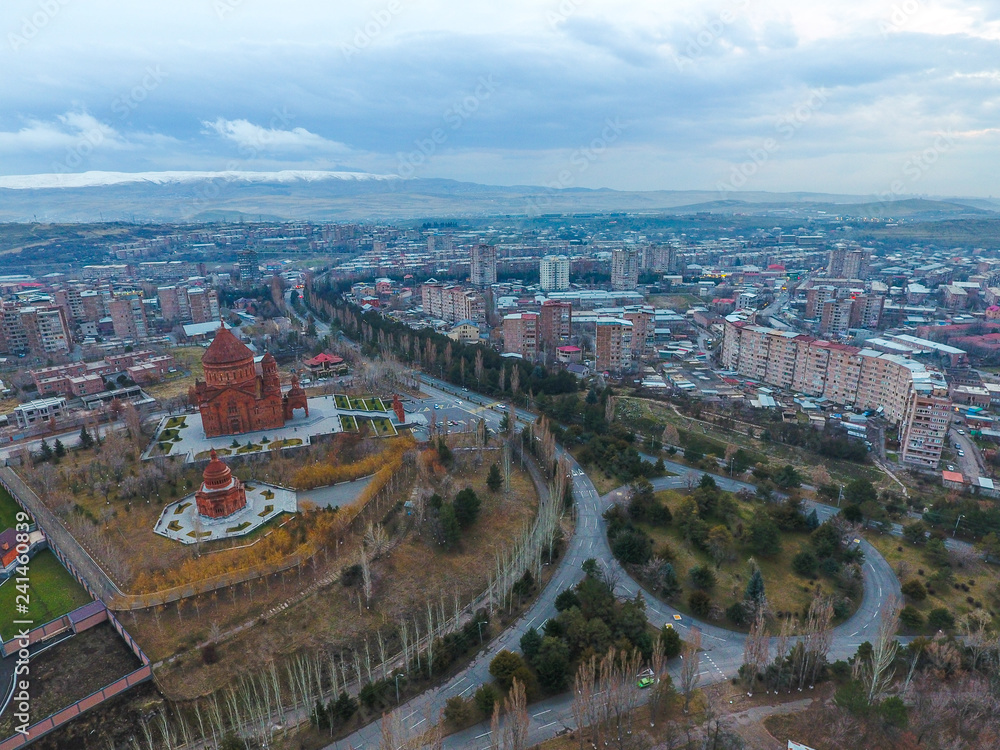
722,652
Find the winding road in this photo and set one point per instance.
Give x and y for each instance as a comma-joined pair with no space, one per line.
722,649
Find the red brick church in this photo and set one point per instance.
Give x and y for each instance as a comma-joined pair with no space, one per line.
239,394
221,494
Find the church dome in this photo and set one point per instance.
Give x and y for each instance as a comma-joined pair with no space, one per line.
217,475
226,349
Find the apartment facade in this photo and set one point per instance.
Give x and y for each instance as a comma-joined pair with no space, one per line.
613,344
38,330
520,334
452,303
624,268
555,321
483,270
128,316
553,273
847,375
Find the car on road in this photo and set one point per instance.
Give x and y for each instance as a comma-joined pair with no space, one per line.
961,432
961,453
951,467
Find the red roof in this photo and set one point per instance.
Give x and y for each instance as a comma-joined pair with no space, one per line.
226,349
952,476
569,349
324,358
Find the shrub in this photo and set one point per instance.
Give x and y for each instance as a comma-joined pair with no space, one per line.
805,563
503,667
700,603
702,577
530,643
911,618
485,698
914,590
940,619
632,547
457,711
736,613
670,639
567,600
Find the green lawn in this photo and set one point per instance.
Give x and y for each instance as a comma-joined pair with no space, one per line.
342,401
8,510
53,592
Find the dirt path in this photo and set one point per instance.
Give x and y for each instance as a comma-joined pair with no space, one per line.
749,724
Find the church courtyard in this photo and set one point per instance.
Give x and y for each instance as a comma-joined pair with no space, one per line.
181,521
184,435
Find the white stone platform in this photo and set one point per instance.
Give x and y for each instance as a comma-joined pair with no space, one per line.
180,520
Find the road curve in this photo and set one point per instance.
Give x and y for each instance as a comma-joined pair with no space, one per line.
722,648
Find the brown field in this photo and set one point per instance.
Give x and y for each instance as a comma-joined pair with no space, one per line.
73,670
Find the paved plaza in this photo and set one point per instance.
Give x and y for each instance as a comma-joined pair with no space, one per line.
183,435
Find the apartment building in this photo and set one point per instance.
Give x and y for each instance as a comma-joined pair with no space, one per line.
643,320
128,316
613,344
38,330
624,268
452,303
847,375
848,263
553,273
204,305
483,268
835,316
554,324
520,334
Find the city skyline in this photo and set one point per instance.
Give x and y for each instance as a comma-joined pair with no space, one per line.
891,100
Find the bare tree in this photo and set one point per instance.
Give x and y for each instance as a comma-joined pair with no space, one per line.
515,726
878,671
756,651
689,668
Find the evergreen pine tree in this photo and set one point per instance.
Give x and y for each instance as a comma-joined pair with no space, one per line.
812,520
60,449
86,441
755,590
494,480
46,450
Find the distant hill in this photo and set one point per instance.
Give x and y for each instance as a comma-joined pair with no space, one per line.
333,196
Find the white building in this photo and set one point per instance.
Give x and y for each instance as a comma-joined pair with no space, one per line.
38,411
553,273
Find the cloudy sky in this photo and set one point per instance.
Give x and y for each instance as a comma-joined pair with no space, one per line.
856,96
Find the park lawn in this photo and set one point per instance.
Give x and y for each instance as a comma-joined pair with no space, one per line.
980,578
342,401
52,590
647,414
188,358
8,510
678,302
786,591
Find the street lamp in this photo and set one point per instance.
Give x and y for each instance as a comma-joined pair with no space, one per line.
955,531
480,624
397,685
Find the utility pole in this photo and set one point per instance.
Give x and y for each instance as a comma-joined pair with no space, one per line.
957,522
